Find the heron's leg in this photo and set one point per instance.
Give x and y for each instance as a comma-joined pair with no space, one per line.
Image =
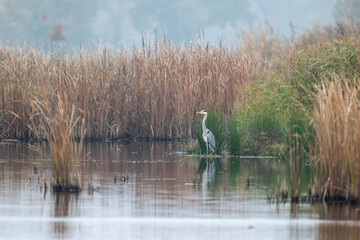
207,149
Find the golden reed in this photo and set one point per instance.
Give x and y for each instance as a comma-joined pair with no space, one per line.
336,123
148,92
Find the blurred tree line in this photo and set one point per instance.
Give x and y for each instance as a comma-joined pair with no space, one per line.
38,21
90,21
347,8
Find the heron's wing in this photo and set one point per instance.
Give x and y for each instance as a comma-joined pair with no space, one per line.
211,140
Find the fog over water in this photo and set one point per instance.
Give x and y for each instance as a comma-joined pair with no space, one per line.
124,22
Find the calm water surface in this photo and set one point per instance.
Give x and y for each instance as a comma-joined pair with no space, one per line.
153,191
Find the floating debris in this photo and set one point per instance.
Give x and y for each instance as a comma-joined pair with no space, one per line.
92,189
68,189
121,179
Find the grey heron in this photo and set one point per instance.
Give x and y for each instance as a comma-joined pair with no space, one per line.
207,135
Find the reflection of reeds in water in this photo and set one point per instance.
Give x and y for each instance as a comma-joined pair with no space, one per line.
331,232
341,221
294,165
63,204
336,122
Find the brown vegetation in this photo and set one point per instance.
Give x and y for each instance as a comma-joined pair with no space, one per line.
151,92
57,122
336,123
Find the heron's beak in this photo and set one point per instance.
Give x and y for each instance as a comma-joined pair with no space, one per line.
198,112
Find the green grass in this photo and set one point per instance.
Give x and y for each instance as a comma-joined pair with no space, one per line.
309,68
234,138
263,120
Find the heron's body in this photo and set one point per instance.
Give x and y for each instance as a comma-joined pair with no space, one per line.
207,135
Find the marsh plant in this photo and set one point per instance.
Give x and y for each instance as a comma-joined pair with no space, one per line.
57,123
263,119
235,135
322,126
336,122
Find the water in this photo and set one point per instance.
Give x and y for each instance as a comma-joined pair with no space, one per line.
154,191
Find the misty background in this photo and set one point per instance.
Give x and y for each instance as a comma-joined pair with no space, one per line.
124,22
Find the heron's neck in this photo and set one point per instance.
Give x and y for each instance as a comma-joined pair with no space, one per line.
203,124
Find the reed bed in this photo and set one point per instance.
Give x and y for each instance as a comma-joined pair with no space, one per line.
314,106
336,123
152,91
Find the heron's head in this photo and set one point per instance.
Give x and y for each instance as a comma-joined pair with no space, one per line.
202,112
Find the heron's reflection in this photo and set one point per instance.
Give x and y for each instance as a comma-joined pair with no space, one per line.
206,173
208,176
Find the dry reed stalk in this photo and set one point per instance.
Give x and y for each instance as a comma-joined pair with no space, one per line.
57,122
336,123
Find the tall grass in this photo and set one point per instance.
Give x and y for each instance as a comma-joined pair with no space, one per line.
151,91
57,123
338,56
271,114
299,144
154,90
263,119
309,68
235,135
336,123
